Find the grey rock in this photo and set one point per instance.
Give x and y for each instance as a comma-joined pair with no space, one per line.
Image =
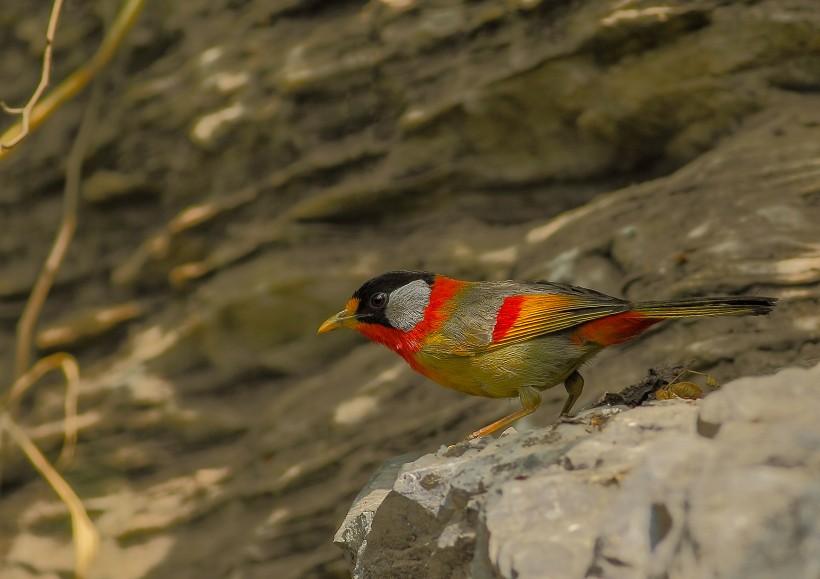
255,161
352,535
647,494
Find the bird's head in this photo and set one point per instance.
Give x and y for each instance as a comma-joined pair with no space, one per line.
395,301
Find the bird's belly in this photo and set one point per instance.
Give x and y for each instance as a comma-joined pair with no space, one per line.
542,363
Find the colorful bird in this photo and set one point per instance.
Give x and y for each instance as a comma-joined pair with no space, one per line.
503,339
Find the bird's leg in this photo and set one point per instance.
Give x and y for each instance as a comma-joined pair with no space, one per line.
574,385
530,400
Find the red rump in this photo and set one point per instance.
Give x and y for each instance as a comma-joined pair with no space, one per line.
614,329
507,315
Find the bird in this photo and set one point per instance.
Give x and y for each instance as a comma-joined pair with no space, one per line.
507,339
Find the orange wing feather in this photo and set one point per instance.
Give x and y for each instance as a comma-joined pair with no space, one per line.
527,316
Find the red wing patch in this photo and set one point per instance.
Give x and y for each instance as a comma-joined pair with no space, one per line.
507,315
524,317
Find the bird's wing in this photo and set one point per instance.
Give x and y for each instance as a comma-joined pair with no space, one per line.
542,308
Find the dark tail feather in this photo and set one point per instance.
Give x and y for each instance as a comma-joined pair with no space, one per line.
716,306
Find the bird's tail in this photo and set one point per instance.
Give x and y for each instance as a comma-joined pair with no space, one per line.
715,306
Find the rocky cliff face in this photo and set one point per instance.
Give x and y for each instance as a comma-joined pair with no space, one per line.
255,161
724,487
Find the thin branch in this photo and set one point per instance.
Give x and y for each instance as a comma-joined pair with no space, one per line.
45,74
71,370
86,537
82,76
68,225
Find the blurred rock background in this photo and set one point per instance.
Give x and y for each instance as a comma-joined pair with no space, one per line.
256,160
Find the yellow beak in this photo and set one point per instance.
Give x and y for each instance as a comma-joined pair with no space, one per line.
344,319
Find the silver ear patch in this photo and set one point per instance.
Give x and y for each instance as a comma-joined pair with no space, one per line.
406,305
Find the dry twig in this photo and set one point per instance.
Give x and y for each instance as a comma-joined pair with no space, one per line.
86,538
71,371
45,74
68,225
80,78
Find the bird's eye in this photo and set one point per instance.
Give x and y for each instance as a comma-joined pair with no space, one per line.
378,300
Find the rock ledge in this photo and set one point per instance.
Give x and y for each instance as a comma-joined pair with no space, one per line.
725,487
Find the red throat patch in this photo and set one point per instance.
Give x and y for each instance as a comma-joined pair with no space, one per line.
438,311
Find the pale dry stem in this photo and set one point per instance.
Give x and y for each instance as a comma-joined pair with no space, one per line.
68,225
71,371
45,75
67,89
86,537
